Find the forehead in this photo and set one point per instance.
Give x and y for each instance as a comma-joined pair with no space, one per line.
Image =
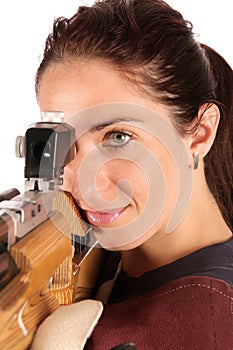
80,84
71,87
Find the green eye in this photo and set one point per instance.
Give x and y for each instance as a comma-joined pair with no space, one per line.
120,137
117,139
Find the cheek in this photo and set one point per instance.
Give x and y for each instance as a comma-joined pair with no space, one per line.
155,204
171,178
120,177
117,179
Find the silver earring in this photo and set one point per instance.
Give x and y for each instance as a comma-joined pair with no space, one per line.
195,160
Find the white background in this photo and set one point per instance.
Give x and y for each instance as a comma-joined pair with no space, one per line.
24,26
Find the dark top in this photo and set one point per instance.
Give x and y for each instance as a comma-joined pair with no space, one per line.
213,261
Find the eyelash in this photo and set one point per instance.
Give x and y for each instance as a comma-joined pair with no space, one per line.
109,137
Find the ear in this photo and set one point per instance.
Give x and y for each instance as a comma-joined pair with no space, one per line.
203,139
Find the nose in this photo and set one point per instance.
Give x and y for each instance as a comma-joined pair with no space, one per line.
69,175
87,184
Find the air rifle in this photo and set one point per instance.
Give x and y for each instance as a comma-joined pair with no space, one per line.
38,228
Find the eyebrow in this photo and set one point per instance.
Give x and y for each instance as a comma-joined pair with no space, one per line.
101,126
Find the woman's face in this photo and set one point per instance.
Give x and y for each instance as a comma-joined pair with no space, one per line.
124,175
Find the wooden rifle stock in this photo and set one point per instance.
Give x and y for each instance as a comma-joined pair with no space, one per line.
47,277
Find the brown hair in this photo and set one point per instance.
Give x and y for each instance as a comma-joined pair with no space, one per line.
153,46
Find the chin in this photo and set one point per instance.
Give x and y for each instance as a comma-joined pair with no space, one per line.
111,243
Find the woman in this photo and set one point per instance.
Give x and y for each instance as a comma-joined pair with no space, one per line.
111,69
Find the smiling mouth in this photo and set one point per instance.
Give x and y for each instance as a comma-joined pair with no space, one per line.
103,218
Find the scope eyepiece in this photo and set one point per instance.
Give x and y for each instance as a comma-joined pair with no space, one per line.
47,147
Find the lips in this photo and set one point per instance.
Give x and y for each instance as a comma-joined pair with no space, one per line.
103,218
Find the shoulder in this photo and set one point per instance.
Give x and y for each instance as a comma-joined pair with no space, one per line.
190,313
